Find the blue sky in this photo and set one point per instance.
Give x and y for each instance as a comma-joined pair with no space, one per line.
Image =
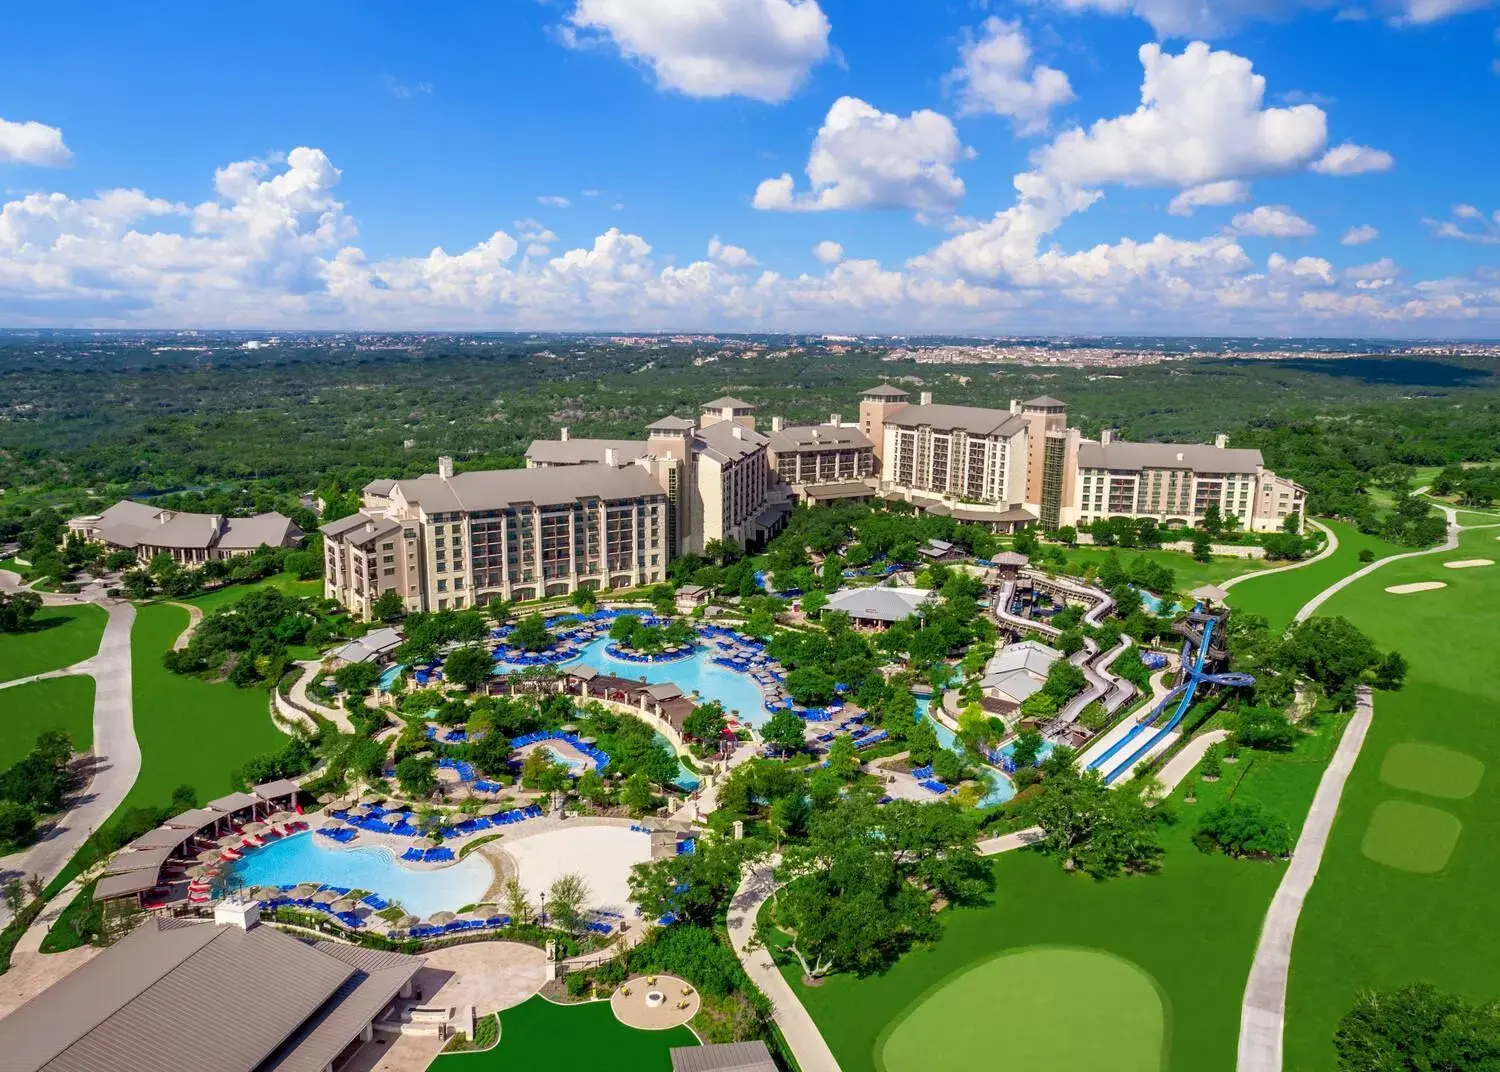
1352,192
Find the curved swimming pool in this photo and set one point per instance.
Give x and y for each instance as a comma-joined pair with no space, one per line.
300,858
1002,789
696,673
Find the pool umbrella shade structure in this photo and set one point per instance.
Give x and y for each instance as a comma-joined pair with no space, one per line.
256,828
208,856
334,824
424,843
325,798
306,889
324,897
441,918
201,871
264,893
230,841
281,817
406,922
344,904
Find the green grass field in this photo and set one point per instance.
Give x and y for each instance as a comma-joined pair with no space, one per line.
1192,928
538,1034
190,731
1190,573
57,637
223,597
1366,922
1045,989
1280,595
59,703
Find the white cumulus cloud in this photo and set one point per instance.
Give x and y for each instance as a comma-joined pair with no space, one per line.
996,77
729,256
1226,192
553,201
828,252
865,158
1271,221
1210,18
1351,159
762,49
1359,235
1469,224
32,143
1201,120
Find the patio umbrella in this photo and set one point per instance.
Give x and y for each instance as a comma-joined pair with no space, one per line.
406,922
325,897
570,728
588,740
424,843
281,817
264,893
344,904
325,798
492,809
231,841
370,797
256,828
340,805
469,917
359,811
307,889
201,871
334,824
208,856
441,918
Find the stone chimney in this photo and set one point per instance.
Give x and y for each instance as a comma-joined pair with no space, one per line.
737,431
835,419
1179,455
1221,440
562,434
1015,405
926,397
445,467
611,457
777,424
1107,436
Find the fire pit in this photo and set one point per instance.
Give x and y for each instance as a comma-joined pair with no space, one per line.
655,999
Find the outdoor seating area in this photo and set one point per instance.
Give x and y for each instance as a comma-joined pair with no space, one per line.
925,779
669,654
586,748
465,771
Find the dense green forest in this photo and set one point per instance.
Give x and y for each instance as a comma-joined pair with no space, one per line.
253,428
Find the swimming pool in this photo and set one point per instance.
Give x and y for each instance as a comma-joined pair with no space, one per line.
738,692
300,858
686,780
1002,789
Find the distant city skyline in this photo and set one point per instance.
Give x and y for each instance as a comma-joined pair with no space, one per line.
1059,167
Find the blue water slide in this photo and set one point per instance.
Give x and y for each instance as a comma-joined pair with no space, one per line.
1190,690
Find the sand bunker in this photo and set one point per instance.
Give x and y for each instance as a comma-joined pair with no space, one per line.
1420,586
1469,563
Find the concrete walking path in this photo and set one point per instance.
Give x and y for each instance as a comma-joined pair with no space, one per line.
300,698
802,1035
1176,769
116,757
1328,548
1009,842
195,618
1263,1012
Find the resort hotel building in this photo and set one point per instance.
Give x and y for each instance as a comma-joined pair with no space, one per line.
612,513
189,538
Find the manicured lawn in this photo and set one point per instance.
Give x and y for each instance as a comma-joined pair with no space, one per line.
57,637
1192,928
1190,573
1367,922
190,731
233,593
540,1035
955,1025
59,703
1281,595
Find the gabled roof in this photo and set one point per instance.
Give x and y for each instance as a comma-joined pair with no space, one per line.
727,402
670,423
730,442
381,487
885,390
360,528
248,533
583,451
971,419
1198,457
879,604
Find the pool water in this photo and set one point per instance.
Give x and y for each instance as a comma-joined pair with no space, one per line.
1003,788
738,692
686,780
1153,604
388,677
300,858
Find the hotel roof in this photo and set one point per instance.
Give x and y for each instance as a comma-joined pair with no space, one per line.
670,423
201,995
885,390
730,442
817,437
728,402
583,451
349,527
496,489
879,604
971,419
1045,402
1196,456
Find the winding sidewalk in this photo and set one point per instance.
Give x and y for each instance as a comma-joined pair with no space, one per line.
1329,548
117,755
802,1035
1263,1012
